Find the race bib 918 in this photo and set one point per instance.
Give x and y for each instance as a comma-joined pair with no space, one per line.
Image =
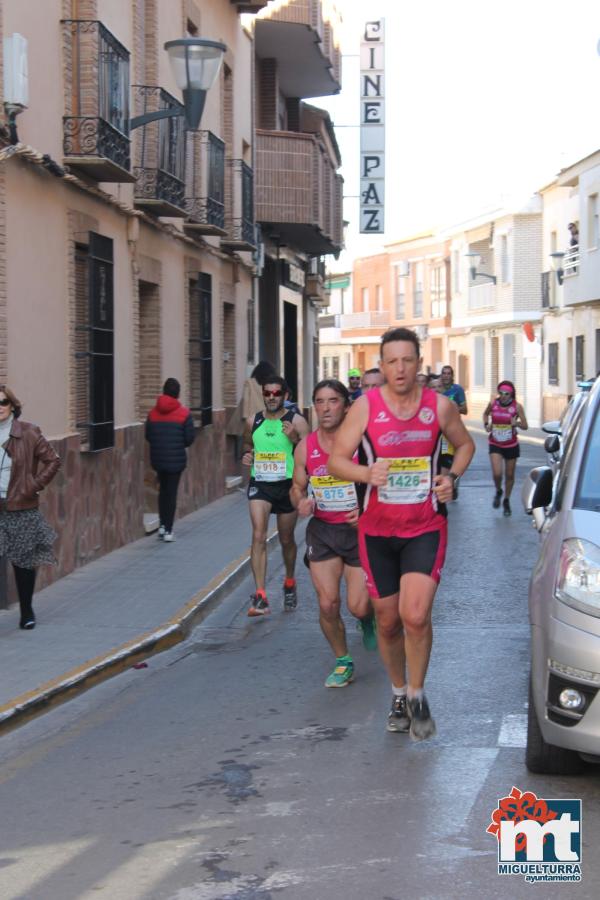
502,433
269,467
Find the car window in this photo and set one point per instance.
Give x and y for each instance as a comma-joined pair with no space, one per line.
566,462
588,489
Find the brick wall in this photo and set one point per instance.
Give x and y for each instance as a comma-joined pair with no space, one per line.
268,94
150,345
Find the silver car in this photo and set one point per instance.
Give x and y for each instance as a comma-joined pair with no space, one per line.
564,602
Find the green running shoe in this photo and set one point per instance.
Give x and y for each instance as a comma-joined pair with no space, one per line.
342,674
368,628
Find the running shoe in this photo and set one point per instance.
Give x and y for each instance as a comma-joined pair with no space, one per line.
161,532
506,511
422,725
259,605
368,629
290,597
496,500
168,537
343,673
398,717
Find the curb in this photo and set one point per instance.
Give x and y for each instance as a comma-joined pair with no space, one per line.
59,690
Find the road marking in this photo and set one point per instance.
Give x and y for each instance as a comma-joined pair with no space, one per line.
513,731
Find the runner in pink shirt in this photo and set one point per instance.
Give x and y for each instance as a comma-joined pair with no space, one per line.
331,535
501,419
398,430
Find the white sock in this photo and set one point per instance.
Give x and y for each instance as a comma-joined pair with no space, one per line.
399,692
415,693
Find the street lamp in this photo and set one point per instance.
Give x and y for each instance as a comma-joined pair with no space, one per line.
557,264
195,64
474,260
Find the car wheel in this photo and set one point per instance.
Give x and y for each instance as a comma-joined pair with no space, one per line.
543,758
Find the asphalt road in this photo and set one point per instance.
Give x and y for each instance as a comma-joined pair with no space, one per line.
226,770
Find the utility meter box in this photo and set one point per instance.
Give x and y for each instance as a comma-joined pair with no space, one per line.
16,80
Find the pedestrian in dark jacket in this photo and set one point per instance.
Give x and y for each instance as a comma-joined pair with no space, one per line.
169,430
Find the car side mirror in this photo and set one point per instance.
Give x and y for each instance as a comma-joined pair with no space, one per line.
552,443
552,427
537,489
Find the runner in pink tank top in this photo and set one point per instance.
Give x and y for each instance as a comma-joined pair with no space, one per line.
331,534
501,418
402,529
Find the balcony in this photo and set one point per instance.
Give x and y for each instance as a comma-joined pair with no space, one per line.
239,206
249,6
375,318
482,296
570,263
330,320
298,192
159,155
96,92
205,183
305,47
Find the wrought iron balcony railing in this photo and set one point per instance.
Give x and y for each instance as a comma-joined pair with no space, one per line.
96,93
159,155
239,206
205,183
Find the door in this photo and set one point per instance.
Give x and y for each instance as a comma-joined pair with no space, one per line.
290,347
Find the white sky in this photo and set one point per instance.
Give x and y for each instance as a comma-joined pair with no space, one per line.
485,102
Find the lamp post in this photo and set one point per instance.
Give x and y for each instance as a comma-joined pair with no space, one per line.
195,63
474,260
557,264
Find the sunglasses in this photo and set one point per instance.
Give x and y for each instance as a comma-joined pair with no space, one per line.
272,393
505,393
5,402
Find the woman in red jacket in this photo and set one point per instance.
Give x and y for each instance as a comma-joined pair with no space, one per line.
27,464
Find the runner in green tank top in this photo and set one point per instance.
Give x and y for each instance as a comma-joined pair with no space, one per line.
269,441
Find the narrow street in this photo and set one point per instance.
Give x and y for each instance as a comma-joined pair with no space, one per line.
226,770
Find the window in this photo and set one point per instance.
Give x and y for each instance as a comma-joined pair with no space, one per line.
325,367
94,343
418,295
335,367
593,222
508,357
455,272
364,299
400,295
579,357
546,281
250,313
504,259
552,363
200,347
439,301
479,363
379,297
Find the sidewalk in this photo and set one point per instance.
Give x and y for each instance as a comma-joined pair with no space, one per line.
122,608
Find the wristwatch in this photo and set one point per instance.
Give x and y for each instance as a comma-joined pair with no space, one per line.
455,478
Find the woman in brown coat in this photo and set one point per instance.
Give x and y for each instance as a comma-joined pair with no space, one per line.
27,464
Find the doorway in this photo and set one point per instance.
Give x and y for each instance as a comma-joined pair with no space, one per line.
290,347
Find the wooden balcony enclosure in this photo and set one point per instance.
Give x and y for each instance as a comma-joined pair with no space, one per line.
298,192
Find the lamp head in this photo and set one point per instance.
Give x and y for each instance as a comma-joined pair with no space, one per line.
195,63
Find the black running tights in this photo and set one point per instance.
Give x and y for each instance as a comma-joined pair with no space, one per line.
25,579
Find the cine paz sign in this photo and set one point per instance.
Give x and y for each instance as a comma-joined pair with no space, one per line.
372,128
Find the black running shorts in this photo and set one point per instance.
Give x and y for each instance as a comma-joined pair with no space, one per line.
277,493
506,452
325,540
386,559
